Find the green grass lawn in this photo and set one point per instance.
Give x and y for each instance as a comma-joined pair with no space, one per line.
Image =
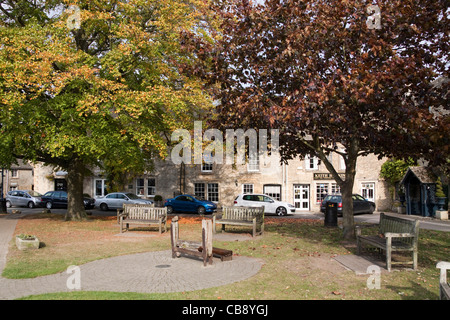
297,255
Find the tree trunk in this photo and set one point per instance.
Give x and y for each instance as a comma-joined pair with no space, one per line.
347,191
75,178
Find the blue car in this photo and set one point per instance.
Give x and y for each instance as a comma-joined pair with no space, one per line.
189,203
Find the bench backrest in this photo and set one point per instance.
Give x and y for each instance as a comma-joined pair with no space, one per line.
399,225
143,211
243,213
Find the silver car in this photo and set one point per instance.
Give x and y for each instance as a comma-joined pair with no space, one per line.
116,200
23,198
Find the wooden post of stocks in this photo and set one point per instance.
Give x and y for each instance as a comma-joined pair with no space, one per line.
174,235
207,241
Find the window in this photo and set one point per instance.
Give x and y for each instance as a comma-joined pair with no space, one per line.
207,164
253,163
311,163
199,190
207,167
151,186
14,173
207,191
321,191
213,192
335,188
100,188
273,191
247,188
140,186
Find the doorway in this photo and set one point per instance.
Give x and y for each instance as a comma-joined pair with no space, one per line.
301,197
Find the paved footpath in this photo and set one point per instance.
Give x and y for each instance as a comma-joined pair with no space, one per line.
149,272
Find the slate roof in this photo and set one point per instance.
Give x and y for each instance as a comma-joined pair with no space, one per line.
422,173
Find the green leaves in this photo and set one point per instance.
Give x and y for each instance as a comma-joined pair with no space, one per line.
104,93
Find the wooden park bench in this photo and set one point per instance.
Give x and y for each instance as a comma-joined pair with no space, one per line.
141,214
444,286
241,216
394,235
195,248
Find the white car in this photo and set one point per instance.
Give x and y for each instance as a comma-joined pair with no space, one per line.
270,205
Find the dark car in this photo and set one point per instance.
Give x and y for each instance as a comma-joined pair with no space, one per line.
189,203
360,205
89,202
58,199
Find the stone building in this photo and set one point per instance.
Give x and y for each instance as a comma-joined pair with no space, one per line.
302,182
19,177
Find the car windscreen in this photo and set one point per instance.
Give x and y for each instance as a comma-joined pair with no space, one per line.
34,193
132,196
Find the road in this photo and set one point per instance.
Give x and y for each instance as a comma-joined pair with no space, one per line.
425,223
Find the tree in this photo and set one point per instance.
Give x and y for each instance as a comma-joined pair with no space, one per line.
95,84
393,170
342,77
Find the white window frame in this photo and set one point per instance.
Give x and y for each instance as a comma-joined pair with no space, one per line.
274,195
140,189
207,167
253,163
103,188
324,186
247,188
311,163
212,190
149,187
199,190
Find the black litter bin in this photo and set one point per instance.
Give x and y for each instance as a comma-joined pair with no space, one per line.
3,206
331,214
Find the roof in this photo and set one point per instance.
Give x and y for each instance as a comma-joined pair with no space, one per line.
21,165
422,173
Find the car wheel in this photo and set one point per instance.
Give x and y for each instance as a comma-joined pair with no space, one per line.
48,205
169,209
281,211
372,209
104,207
201,210
8,204
31,204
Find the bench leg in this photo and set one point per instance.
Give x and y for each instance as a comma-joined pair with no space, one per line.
223,227
415,259
388,253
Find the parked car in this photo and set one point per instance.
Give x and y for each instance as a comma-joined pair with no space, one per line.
270,205
189,203
23,198
58,199
116,200
360,205
89,202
